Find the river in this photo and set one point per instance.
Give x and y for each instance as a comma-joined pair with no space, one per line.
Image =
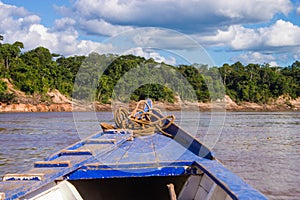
261,147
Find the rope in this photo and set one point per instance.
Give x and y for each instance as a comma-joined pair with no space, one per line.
142,123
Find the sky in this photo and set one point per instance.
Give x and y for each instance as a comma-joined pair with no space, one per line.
249,31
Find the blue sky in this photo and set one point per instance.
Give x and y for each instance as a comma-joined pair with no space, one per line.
250,31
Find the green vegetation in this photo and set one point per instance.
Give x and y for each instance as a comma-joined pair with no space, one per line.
5,97
38,70
260,83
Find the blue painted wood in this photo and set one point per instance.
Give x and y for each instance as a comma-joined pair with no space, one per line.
184,165
16,189
52,164
186,139
75,152
126,172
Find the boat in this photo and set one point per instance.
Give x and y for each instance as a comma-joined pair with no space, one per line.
145,155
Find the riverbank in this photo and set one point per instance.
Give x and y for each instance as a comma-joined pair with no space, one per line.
222,105
54,101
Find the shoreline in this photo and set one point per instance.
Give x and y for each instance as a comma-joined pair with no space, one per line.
57,102
203,107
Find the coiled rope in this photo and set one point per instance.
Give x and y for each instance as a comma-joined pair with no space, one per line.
141,122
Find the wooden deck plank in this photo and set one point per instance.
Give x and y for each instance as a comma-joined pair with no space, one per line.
20,188
23,177
78,152
55,163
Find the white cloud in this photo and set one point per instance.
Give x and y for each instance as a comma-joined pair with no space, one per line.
188,16
101,27
259,10
8,10
237,37
298,10
273,64
65,42
281,35
219,22
255,57
162,38
63,24
14,18
18,24
151,53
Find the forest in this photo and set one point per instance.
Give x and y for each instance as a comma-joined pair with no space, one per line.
38,70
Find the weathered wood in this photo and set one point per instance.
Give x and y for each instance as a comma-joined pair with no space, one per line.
78,152
22,177
190,187
206,182
172,192
211,191
2,196
64,163
187,140
100,141
56,166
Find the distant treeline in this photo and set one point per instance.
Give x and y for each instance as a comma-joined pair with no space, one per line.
38,70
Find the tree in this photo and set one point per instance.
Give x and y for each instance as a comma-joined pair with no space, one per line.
38,57
197,81
10,52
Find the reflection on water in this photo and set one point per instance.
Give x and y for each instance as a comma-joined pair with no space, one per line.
262,148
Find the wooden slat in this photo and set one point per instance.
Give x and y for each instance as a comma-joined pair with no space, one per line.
2,196
219,193
100,141
40,164
23,177
206,183
211,191
55,170
76,152
190,187
201,193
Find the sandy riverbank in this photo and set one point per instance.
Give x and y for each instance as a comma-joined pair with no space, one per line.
226,104
54,101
